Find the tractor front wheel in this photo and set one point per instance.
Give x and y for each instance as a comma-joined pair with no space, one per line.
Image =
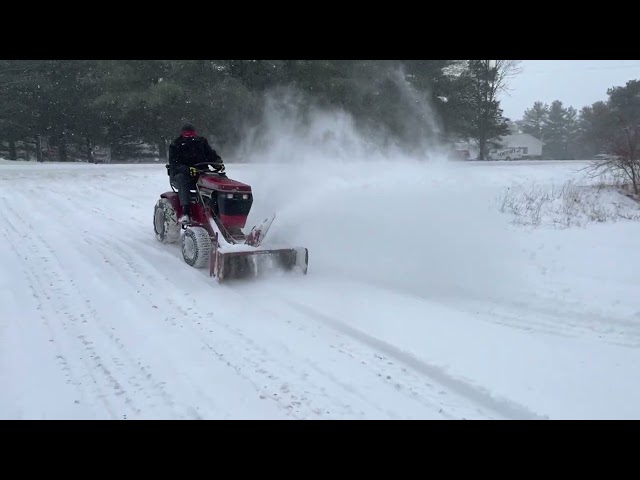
196,247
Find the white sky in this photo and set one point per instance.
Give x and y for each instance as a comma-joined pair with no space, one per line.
575,83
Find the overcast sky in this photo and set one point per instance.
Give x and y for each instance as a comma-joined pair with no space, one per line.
576,83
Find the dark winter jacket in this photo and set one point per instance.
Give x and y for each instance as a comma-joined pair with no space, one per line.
191,150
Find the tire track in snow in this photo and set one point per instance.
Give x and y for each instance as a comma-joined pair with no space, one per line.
521,315
402,380
39,289
260,361
145,371
149,295
478,395
77,316
273,380
141,378
537,318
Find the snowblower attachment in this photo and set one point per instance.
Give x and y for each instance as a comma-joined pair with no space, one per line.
236,265
235,256
248,260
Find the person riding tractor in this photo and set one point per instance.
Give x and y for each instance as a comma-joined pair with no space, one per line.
186,151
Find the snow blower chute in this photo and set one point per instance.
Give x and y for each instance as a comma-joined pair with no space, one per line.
218,212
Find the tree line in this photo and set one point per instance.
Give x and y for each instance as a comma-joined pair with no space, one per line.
136,107
609,128
605,127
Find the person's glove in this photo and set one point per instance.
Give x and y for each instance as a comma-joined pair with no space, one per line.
219,169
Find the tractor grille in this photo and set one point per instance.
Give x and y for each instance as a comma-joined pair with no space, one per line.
237,205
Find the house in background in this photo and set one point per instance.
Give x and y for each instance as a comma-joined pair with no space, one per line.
514,146
518,146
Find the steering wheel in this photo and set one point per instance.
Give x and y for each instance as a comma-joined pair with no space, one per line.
206,164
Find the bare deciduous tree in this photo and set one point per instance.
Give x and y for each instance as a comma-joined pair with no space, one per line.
623,160
505,70
486,79
622,133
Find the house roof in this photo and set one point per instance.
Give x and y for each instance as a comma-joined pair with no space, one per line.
518,137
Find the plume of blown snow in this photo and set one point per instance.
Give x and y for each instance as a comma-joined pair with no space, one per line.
294,131
371,212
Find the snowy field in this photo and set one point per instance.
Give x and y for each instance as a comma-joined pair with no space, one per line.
435,291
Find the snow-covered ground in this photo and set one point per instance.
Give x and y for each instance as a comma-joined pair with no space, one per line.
423,298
